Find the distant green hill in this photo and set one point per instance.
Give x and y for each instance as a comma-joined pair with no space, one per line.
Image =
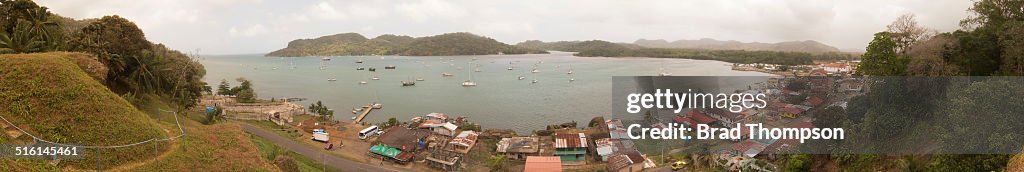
460,43
50,96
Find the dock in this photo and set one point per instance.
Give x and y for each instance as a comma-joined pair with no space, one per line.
366,111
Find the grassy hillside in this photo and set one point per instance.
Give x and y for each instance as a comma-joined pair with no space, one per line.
460,43
51,97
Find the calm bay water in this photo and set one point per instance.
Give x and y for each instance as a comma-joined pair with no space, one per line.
499,101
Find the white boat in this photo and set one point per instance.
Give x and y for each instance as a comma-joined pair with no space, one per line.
375,78
572,79
408,83
477,69
534,81
359,61
332,79
469,82
446,74
326,59
663,73
377,106
419,78
570,70
362,82
521,77
535,70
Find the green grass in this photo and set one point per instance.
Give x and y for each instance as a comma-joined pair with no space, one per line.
50,96
269,151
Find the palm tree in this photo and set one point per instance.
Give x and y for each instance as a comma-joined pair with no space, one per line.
142,71
21,41
43,27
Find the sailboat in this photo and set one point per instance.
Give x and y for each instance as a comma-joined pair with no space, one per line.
663,73
570,70
521,77
534,79
511,66
535,69
419,78
332,79
469,83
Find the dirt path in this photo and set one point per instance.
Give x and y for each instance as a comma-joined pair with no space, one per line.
337,162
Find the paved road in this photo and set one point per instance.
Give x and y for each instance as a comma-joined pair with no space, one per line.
331,160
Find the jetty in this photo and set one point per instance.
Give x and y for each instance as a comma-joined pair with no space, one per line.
366,111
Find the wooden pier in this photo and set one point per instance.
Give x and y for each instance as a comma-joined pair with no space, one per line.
362,115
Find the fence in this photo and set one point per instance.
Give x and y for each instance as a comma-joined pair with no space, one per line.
99,149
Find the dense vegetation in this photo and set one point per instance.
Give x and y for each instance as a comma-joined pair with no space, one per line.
711,44
926,114
134,65
243,93
459,43
598,48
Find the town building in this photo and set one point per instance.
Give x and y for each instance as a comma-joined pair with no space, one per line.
519,147
543,164
571,148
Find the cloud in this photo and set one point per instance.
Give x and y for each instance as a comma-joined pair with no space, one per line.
254,30
257,26
424,10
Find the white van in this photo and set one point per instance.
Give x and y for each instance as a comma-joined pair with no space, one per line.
368,131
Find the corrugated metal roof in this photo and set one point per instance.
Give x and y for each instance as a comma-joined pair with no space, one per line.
577,140
543,164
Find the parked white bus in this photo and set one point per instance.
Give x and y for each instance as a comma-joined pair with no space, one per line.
368,131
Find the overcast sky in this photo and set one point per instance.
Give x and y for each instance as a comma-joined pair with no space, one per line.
260,26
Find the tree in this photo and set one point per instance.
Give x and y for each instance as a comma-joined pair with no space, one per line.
141,75
224,88
21,41
905,32
882,57
115,41
244,92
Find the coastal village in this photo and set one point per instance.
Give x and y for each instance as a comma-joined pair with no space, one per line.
436,141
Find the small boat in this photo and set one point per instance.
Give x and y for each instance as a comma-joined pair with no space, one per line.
468,83
419,78
326,59
408,83
521,77
360,68
446,74
377,106
375,78
332,79
362,82
534,81
572,79
359,61
275,68
570,70
373,69
535,70
665,74
509,68
389,67
477,69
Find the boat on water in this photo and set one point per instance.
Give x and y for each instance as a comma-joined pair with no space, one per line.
389,67
419,78
446,74
408,83
535,70
521,77
662,71
326,58
534,81
377,106
362,82
375,78
360,68
570,70
359,61
372,69
469,82
332,79
476,70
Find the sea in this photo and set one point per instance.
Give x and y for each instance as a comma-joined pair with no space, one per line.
499,100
